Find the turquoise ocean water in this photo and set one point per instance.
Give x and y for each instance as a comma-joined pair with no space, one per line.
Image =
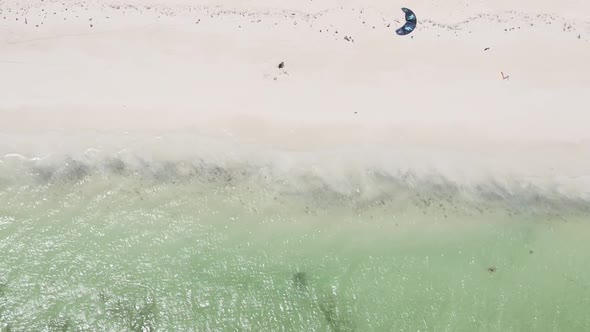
189,245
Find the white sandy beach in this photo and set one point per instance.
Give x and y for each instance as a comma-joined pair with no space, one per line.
72,69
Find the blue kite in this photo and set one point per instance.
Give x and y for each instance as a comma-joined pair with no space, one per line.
410,24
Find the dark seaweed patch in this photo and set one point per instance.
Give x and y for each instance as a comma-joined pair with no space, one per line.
140,316
334,317
300,280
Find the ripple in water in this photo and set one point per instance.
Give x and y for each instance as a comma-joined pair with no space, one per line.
192,246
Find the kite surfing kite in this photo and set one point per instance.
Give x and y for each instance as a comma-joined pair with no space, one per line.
410,24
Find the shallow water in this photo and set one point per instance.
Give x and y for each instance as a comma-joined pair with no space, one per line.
179,247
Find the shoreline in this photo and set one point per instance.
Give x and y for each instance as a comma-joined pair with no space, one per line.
207,73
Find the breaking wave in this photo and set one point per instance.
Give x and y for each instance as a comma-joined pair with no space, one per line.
357,187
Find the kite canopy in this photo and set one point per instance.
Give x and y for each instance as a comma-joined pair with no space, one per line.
410,24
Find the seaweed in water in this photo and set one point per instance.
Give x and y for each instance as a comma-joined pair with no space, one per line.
333,316
116,166
140,317
72,171
300,280
60,324
327,306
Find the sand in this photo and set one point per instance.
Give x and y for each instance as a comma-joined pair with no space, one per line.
74,71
